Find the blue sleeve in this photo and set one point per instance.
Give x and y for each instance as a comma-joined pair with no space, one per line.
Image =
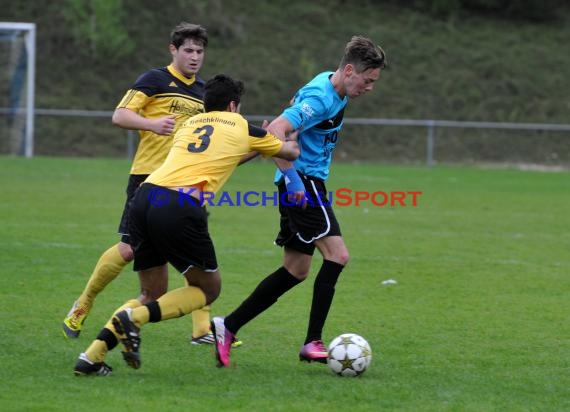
306,112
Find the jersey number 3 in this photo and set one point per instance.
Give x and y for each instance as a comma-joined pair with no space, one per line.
204,134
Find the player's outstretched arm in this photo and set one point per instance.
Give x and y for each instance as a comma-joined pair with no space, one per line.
289,152
282,128
246,158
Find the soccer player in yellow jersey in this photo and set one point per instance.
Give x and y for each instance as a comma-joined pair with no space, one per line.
167,222
160,100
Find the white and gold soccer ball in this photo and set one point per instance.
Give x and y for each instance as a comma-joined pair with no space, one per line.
349,355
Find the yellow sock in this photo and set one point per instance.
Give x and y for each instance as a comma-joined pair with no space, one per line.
201,321
110,264
97,351
176,303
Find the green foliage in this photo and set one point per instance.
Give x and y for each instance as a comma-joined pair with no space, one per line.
531,10
228,28
526,10
478,320
444,7
99,24
472,65
534,10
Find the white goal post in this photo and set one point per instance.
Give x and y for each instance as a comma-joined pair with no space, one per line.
20,85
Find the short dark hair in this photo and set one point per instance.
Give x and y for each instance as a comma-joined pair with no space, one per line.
363,54
220,90
185,31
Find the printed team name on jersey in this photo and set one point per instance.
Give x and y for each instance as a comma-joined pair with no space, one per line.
192,121
179,107
307,110
328,148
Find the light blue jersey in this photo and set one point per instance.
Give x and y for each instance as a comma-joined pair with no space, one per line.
317,112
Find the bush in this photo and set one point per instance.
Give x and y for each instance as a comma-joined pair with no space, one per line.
530,10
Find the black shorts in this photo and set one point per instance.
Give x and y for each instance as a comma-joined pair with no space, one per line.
134,182
167,226
299,228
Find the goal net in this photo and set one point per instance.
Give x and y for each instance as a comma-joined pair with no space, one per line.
17,81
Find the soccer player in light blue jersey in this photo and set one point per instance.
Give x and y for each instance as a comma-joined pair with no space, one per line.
306,217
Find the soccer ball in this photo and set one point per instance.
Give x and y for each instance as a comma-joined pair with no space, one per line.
349,355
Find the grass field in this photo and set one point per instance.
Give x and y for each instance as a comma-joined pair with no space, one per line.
478,319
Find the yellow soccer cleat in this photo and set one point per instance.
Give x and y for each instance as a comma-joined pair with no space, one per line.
73,322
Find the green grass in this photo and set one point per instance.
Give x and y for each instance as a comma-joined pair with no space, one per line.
478,320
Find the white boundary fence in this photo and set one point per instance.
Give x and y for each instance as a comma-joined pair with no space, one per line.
430,125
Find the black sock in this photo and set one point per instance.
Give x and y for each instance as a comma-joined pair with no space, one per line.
264,295
154,313
109,338
323,293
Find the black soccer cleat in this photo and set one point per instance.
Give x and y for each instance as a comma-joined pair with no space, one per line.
130,337
84,367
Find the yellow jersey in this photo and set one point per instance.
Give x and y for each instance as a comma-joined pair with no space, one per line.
208,147
157,93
